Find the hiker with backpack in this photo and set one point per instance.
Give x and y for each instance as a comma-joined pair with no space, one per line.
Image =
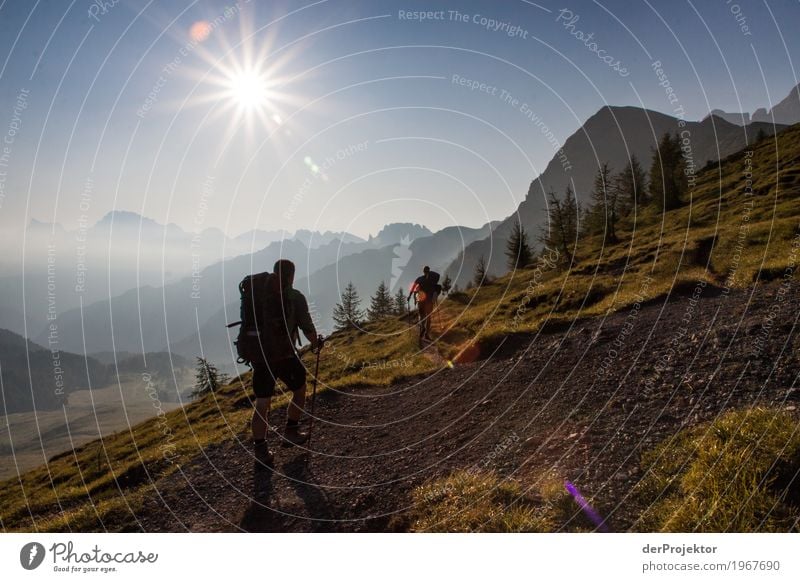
426,290
272,311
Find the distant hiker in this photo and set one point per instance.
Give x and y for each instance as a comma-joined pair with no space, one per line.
427,289
272,311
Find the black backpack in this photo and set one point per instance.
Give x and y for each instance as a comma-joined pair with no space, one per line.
431,284
265,311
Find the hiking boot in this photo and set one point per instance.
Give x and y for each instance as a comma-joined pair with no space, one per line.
293,436
262,453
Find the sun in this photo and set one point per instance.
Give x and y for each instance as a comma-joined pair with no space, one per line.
249,90
249,82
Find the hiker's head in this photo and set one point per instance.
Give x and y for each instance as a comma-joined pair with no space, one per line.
425,270
284,269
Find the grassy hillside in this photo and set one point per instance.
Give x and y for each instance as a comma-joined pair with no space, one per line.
723,237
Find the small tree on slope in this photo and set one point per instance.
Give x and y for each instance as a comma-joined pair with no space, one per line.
518,251
207,378
381,304
347,314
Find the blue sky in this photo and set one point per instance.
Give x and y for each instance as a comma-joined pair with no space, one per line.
353,83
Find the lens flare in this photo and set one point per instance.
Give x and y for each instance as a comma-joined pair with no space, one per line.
587,509
200,31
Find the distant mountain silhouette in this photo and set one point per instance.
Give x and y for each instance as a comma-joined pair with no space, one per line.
150,318
611,135
314,240
122,251
786,112
392,234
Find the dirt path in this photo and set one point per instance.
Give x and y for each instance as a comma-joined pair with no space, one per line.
580,403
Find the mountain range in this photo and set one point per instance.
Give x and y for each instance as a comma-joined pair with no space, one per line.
47,265
786,112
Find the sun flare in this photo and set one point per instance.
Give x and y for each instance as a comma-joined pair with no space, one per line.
248,89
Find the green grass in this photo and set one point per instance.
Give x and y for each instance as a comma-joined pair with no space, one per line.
739,473
484,502
102,483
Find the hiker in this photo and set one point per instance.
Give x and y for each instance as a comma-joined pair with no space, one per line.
278,310
427,289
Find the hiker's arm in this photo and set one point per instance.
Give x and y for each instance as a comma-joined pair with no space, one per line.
304,321
413,288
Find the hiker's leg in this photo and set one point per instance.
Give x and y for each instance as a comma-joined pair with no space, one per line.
298,403
293,373
259,423
264,387
426,323
429,320
422,307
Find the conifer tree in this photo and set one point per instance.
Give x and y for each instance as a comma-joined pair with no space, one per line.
207,378
630,187
381,304
400,305
601,216
347,313
447,283
518,251
667,178
479,276
561,231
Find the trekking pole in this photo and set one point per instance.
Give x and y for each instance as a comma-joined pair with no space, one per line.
320,341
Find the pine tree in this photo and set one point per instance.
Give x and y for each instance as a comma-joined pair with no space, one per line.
630,187
348,314
207,378
561,231
667,178
381,304
518,251
447,283
479,276
400,305
572,216
761,135
601,216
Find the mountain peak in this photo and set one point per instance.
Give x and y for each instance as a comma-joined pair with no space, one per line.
124,217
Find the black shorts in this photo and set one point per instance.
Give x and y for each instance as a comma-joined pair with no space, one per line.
291,371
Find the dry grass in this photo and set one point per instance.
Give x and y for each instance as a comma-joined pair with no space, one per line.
739,473
484,502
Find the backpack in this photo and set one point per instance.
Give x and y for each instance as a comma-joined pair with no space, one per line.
431,284
265,312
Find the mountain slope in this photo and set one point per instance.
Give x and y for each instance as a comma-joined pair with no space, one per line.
34,378
612,135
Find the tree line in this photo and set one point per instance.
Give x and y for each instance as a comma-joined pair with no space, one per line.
613,201
348,313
